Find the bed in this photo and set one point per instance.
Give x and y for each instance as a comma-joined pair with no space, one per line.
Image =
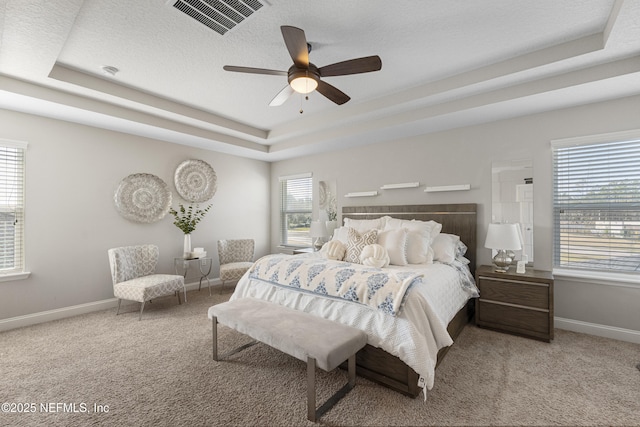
402,351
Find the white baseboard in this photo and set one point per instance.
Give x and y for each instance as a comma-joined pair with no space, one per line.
74,310
599,330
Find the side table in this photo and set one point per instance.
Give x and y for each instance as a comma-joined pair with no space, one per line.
205,265
517,303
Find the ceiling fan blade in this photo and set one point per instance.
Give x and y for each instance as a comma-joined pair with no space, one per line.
332,93
296,43
254,70
282,96
352,66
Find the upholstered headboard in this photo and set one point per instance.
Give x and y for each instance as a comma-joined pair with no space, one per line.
459,219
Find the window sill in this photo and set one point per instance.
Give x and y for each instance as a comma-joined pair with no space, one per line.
14,276
628,280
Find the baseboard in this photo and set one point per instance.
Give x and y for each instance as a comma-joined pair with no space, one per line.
598,330
74,310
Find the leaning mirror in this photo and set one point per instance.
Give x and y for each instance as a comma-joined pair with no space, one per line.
512,200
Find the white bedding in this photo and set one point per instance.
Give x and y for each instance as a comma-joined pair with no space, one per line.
415,335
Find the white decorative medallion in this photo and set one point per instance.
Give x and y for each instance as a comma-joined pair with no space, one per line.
143,197
195,181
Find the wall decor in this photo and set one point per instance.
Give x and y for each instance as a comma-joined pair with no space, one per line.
195,181
362,194
143,197
461,187
401,185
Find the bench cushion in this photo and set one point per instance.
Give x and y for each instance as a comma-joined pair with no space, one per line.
296,333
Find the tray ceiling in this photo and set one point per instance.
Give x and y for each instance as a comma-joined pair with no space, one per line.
444,65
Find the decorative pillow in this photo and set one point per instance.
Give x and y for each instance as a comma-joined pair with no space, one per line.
395,243
334,249
419,237
364,225
356,242
374,256
445,247
341,235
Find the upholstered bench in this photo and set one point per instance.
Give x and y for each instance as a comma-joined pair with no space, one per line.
314,340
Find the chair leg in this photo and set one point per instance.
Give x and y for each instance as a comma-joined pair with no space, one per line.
141,308
178,294
119,302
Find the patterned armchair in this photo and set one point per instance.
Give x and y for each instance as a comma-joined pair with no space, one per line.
236,257
133,274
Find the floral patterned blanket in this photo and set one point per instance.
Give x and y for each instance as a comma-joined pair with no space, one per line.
384,290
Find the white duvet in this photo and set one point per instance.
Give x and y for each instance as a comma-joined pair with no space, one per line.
415,335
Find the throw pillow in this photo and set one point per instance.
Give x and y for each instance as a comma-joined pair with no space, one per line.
395,242
374,256
356,242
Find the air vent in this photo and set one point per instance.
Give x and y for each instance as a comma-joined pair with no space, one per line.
219,15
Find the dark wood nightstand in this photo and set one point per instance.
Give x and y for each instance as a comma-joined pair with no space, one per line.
518,303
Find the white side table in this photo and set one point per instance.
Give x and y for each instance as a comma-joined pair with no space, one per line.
205,264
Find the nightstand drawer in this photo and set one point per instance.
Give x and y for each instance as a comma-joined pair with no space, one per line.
514,292
514,319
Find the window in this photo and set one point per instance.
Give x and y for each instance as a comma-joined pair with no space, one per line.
596,203
295,210
12,170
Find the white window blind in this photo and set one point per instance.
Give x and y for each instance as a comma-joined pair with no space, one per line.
12,180
596,205
296,204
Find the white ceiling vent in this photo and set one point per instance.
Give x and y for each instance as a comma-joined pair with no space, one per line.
219,15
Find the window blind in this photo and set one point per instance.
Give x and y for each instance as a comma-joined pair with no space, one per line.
12,185
296,204
596,203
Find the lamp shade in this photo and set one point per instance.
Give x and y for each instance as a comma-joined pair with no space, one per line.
318,229
503,236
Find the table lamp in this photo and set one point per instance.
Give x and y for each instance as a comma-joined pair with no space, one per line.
503,238
318,231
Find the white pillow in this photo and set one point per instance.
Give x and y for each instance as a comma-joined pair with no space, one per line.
419,237
395,243
356,242
445,247
364,225
374,256
341,235
334,249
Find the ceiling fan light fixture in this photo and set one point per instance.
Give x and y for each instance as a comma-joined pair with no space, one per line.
303,84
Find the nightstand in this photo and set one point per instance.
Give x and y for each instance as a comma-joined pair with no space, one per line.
521,304
303,251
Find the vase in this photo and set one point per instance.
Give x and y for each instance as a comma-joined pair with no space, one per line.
187,245
331,226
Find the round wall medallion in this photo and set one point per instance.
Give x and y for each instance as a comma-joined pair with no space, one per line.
195,181
143,197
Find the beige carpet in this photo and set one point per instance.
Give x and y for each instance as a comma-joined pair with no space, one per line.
159,372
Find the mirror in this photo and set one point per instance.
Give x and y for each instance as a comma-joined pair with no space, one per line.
512,199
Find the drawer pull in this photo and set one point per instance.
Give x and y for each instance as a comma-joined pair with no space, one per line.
514,305
497,279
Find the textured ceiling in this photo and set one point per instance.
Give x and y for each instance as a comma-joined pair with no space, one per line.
444,64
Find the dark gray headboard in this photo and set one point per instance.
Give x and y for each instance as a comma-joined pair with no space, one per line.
459,219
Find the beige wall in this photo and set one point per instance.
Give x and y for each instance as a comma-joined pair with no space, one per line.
71,219
464,156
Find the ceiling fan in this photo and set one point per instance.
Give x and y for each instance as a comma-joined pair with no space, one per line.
304,77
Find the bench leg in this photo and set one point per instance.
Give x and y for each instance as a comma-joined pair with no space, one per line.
312,413
214,332
141,308
311,389
214,328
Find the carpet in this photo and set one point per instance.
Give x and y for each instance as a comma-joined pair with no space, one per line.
100,369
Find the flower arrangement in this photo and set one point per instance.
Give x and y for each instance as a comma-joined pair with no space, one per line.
186,219
332,213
